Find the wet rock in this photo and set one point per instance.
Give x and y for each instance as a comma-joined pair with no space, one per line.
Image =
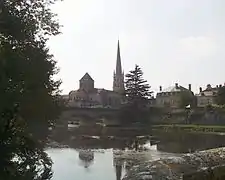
86,155
158,171
198,165
98,150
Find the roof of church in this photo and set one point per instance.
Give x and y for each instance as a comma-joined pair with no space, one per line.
94,91
86,77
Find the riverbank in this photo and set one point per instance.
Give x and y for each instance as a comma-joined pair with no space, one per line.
214,129
153,148
207,165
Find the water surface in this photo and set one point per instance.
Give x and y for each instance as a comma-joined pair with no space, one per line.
106,165
67,165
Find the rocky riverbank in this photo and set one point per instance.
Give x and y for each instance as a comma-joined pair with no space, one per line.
54,144
204,165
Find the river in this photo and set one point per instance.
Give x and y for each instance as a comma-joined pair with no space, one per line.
67,165
112,156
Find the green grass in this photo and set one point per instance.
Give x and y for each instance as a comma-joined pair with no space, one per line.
191,128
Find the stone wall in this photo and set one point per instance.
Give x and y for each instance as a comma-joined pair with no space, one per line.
196,116
156,116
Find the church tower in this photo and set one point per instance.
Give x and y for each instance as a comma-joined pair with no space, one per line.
87,83
118,78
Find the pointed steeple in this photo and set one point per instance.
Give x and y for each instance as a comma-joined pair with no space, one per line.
118,79
118,61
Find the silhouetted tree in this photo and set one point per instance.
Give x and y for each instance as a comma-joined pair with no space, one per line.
138,93
220,98
28,92
187,98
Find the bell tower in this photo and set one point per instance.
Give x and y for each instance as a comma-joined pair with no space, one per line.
118,78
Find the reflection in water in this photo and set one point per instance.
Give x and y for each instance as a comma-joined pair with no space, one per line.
119,167
118,172
119,151
67,165
85,164
86,157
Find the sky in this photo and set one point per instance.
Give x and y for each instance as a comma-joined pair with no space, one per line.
173,41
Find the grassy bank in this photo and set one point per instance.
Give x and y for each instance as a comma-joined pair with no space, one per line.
191,128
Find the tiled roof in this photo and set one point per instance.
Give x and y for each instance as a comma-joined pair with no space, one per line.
94,91
102,90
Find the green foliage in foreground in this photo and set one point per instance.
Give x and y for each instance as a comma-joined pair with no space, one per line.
28,92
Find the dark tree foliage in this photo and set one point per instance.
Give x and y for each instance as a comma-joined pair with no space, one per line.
28,92
220,98
138,93
137,89
187,98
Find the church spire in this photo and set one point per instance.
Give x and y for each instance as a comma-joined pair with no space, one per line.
118,79
118,61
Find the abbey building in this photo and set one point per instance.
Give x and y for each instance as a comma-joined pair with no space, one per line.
89,96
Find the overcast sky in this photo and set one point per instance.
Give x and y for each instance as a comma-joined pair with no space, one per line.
173,41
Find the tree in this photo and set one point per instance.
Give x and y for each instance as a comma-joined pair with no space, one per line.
136,88
220,98
28,92
137,94
187,98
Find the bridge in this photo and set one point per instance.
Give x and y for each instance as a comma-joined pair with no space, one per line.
89,115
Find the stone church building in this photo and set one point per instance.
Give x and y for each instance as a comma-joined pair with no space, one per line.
87,96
